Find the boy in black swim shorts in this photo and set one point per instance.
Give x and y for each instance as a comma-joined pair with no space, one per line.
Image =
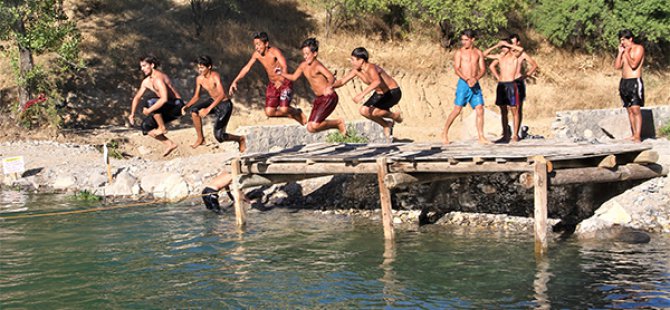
631,88
386,91
219,103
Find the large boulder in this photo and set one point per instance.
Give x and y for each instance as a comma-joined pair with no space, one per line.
123,185
170,186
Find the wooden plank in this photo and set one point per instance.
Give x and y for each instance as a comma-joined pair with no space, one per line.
398,179
602,175
385,199
304,168
251,180
486,167
540,184
240,212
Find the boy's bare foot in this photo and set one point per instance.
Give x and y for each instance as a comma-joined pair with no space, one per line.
388,131
483,141
161,130
169,149
341,126
301,117
198,143
242,144
515,139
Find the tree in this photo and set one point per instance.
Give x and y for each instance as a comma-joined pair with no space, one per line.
594,24
33,28
341,12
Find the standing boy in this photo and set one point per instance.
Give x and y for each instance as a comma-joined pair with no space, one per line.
161,110
507,92
279,91
520,76
631,88
386,91
321,81
469,66
218,102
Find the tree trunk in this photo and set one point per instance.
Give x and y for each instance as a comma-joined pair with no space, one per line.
25,66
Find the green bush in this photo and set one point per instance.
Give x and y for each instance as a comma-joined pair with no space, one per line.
352,136
665,130
595,24
85,195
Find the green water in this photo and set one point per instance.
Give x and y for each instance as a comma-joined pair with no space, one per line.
181,256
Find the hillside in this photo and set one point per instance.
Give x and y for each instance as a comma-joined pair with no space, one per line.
116,33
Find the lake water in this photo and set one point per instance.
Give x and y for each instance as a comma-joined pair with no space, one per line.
182,256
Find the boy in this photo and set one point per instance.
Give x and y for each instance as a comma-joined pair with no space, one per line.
520,76
321,81
218,102
631,88
507,92
279,91
469,66
161,110
386,91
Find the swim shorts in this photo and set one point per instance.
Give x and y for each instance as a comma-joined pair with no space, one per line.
507,94
223,110
170,111
466,94
322,107
384,101
631,92
279,97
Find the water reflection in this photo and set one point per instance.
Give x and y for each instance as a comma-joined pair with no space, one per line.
540,284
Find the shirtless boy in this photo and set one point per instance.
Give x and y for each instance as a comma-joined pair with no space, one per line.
165,108
386,91
469,66
631,88
507,93
218,102
279,91
520,76
321,81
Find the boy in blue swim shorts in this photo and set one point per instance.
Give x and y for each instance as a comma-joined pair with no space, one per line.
469,66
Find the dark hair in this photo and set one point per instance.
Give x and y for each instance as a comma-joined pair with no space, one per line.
150,59
360,53
204,60
468,33
508,40
263,36
312,43
625,33
515,36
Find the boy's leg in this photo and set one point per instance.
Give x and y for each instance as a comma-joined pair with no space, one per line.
161,124
504,122
515,115
197,124
314,127
450,120
480,124
635,117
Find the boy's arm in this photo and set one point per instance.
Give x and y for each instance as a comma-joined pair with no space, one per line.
295,75
196,95
493,69
174,90
457,66
482,66
533,65
243,72
344,80
634,56
375,80
618,61
490,49
136,101
161,89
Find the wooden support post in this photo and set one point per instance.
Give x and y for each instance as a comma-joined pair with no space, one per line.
646,157
385,199
393,180
540,183
236,188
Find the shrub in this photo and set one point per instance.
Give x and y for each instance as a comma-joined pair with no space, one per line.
352,136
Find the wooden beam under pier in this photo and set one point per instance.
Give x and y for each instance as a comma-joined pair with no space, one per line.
385,199
398,179
240,212
599,175
540,184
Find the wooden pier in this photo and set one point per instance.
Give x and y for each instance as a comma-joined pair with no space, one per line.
541,163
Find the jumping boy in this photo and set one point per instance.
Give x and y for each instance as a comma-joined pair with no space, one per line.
161,110
321,81
507,92
279,91
631,88
469,66
218,102
386,91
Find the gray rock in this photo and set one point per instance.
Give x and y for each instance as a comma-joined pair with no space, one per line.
124,185
64,182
